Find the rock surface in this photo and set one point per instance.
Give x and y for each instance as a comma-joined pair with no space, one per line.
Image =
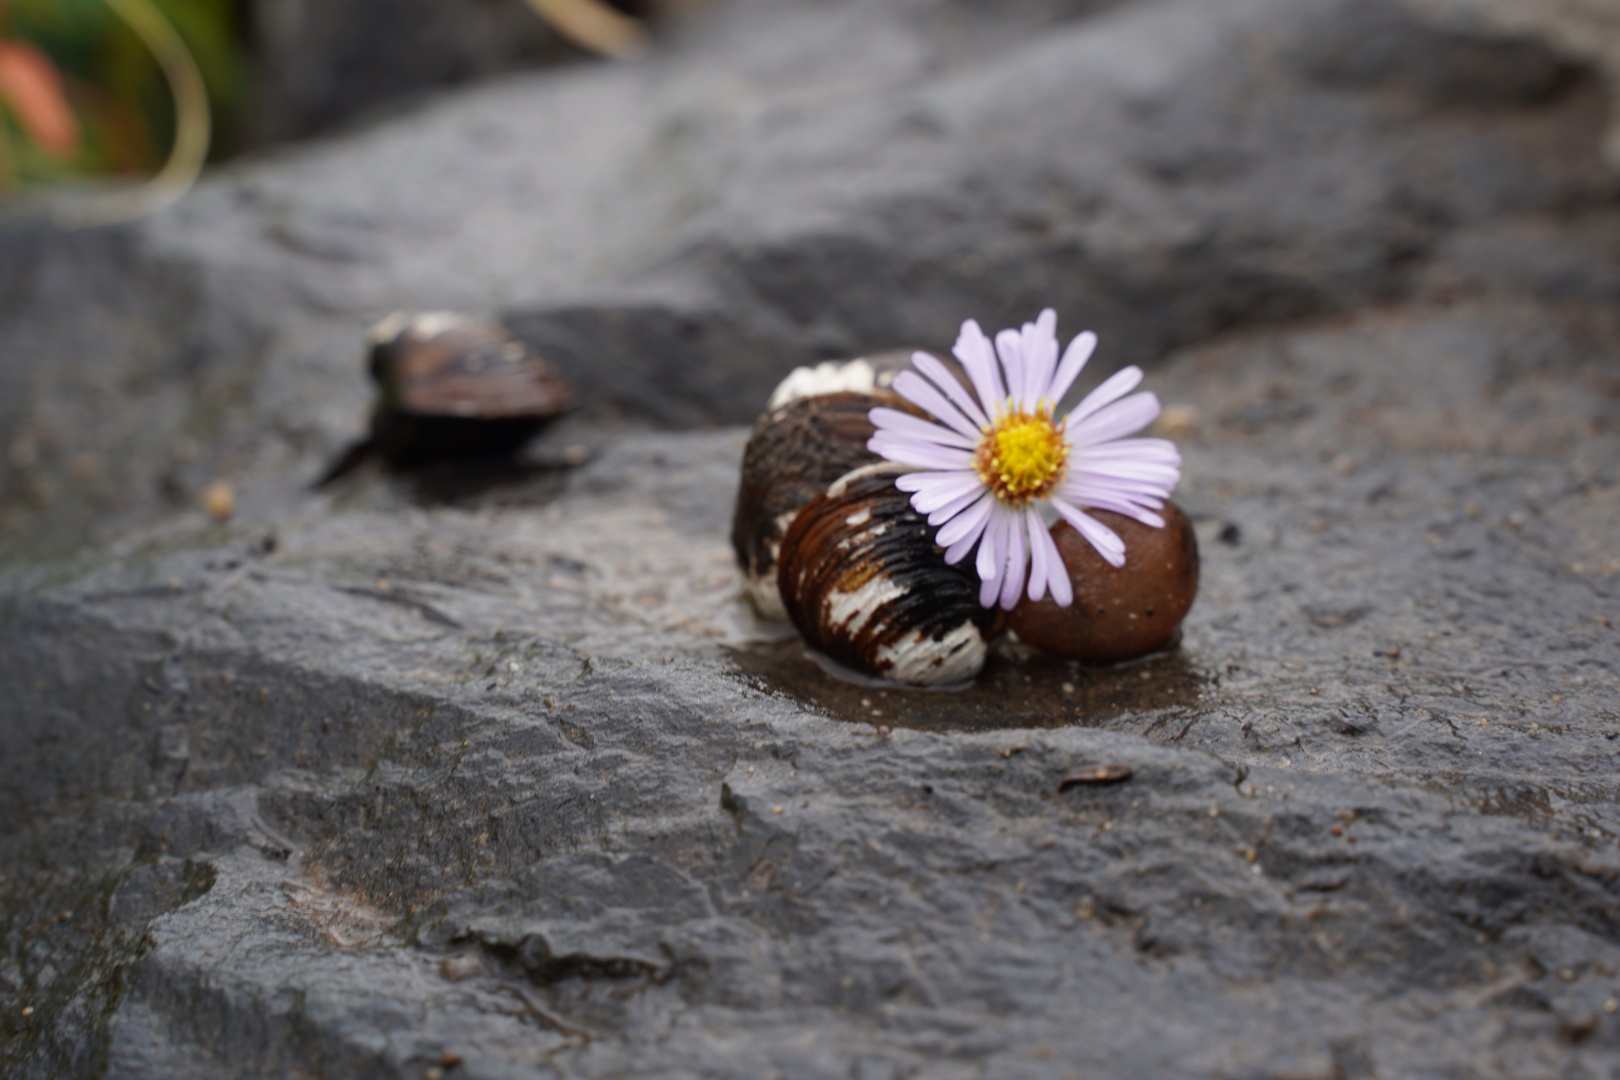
439,765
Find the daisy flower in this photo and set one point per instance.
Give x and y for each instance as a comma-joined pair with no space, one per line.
996,454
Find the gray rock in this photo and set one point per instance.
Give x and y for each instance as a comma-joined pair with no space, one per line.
320,65
510,773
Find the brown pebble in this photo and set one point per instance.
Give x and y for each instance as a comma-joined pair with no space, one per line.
1096,774
450,1059
1123,613
219,500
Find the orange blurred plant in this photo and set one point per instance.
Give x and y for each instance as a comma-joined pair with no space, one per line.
94,88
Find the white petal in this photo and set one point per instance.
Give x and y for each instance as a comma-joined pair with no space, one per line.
920,392
1112,389
1074,361
979,361
942,377
918,428
1133,414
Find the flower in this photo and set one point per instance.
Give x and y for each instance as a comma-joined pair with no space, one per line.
996,454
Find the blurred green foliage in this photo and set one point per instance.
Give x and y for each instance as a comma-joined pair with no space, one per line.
113,85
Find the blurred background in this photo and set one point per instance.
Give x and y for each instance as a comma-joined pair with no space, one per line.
770,183
87,91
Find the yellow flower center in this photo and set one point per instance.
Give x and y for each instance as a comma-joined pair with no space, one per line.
1022,457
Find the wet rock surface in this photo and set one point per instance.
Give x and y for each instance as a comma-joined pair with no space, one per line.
500,767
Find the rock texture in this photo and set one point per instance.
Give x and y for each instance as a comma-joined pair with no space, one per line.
499,767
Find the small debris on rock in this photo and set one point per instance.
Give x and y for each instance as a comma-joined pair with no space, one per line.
465,966
219,500
1095,774
1179,422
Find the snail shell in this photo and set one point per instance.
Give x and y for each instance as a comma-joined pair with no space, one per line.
814,431
450,386
862,580
1117,614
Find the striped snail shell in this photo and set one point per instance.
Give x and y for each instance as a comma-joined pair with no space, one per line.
451,386
864,583
813,431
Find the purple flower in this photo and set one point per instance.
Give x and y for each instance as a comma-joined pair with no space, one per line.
999,452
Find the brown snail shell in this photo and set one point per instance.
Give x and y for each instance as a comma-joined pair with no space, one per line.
451,386
862,580
814,431
1117,614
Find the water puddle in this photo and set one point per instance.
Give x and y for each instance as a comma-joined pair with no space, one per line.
1017,689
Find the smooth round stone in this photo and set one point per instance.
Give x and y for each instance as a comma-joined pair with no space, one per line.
1117,614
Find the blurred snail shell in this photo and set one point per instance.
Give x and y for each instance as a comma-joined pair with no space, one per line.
814,431
862,580
1117,614
451,386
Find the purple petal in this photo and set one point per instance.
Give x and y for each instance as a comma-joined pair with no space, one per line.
1040,356
915,427
992,558
978,359
1057,573
917,481
1074,361
1140,475
1017,553
1038,568
993,550
920,392
1112,389
941,376
1161,451
958,551
940,515
1095,500
949,488
1133,414
969,524
1098,535
989,589
1010,347
915,452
